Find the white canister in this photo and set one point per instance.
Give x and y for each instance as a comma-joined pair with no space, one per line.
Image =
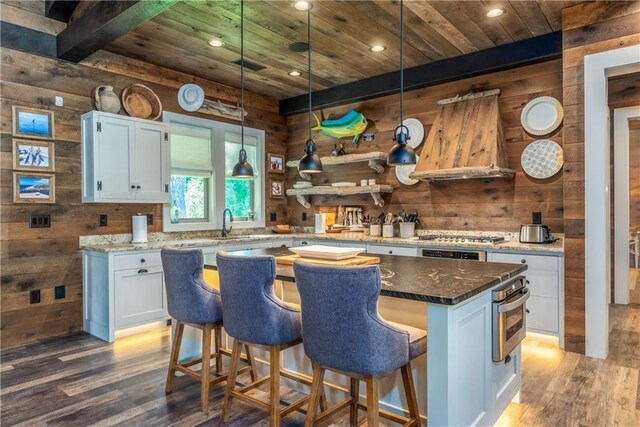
363,182
321,223
375,230
387,230
407,229
139,226
372,181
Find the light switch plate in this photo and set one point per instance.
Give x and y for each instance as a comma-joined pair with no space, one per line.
59,101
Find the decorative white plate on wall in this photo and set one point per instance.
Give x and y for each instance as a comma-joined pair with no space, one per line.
416,132
403,172
542,159
542,115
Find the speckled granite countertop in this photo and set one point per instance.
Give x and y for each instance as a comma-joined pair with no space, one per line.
433,280
121,242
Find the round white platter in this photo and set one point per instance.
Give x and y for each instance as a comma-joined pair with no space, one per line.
402,173
542,115
190,97
416,132
542,159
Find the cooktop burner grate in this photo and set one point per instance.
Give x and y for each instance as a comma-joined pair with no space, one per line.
453,238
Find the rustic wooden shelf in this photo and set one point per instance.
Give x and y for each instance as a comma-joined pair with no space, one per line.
376,159
463,173
375,191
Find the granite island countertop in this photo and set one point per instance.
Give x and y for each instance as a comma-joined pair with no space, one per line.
432,280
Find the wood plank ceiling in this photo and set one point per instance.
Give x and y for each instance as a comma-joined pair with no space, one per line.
342,33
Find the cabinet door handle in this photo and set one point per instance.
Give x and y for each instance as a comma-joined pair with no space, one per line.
138,187
390,252
142,271
133,187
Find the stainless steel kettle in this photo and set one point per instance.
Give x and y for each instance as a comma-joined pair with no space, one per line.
535,233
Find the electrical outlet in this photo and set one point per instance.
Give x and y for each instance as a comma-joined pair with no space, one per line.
59,101
273,217
168,322
304,216
536,218
149,219
34,296
40,221
103,220
59,292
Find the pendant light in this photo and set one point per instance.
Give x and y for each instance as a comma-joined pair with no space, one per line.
243,168
310,162
401,153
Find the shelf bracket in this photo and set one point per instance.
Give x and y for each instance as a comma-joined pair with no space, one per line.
376,165
377,199
303,201
305,176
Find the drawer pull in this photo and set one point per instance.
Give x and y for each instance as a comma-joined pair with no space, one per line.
143,260
524,261
390,252
142,271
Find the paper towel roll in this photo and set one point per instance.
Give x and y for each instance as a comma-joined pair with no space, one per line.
139,224
321,223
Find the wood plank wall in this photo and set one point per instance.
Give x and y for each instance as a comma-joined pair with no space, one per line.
44,258
480,204
587,28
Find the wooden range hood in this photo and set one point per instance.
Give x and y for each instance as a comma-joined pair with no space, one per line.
466,141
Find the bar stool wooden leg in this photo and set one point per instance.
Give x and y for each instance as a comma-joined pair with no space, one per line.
274,368
206,367
231,380
410,393
373,417
354,392
175,352
314,397
217,338
252,363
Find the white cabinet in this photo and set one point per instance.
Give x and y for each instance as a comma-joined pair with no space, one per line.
392,250
124,159
139,296
545,276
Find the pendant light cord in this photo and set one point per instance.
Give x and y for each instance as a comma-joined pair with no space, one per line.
242,72
309,63
401,61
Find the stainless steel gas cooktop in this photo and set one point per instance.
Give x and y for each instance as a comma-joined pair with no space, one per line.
455,238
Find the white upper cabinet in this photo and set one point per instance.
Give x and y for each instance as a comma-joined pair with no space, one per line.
124,159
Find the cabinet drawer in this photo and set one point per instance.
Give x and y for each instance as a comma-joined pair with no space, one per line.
543,283
139,296
137,260
392,250
543,314
534,262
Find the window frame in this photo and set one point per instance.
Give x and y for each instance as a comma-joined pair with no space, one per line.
216,185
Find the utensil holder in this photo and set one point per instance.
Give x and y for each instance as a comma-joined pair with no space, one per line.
407,229
387,230
375,230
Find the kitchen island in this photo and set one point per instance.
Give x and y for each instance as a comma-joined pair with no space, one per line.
463,385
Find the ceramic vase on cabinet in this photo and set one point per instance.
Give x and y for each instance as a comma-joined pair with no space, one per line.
106,100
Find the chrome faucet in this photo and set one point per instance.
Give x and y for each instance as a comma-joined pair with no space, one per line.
226,231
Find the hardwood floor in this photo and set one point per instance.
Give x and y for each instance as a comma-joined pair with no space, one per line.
80,381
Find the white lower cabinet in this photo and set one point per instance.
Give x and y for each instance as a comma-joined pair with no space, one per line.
139,296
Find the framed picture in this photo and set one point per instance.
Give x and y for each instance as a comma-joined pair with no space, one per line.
33,123
34,187
276,163
33,155
277,188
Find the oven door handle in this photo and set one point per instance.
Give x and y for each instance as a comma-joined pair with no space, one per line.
514,304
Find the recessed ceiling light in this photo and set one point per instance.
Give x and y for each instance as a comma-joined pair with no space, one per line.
216,43
302,5
377,48
295,73
494,13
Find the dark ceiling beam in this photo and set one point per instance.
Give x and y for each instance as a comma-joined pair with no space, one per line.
104,23
60,10
517,54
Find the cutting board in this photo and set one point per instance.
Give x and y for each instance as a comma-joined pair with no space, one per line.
359,260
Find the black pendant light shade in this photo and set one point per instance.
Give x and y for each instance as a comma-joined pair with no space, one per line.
243,168
310,162
401,153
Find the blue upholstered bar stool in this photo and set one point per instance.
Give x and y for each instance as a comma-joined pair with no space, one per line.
192,302
254,316
344,332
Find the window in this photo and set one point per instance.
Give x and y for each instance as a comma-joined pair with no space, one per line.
203,153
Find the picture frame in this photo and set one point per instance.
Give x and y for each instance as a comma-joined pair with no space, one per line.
276,163
276,188
31,155
33,123
31,187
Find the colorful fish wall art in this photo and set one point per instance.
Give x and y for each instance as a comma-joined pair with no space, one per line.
351,124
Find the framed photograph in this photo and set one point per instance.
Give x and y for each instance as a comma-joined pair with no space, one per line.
276,163
34,187
33,155
33,123
277,188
